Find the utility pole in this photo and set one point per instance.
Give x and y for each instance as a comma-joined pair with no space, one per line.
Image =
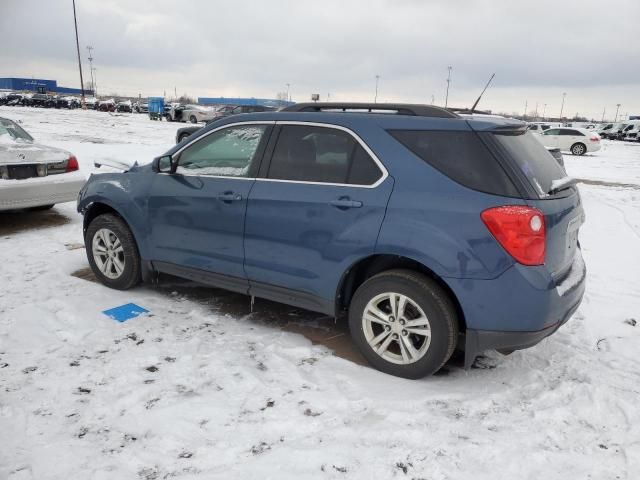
288,95
562,106
525,110
544,111
75,22
93,87
375,98
536,110
446,98
433,99
603,110
95,81
617,108
175,93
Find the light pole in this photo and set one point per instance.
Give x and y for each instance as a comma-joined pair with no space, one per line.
375,98
446,98
288,96
93,87
95,81
617,108
603,110
75,22
526,102
544,110
562,106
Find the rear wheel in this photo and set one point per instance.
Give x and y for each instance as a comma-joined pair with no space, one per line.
578,148
112,252
404,323
193,119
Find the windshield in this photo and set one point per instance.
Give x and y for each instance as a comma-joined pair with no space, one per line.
533,159
13,130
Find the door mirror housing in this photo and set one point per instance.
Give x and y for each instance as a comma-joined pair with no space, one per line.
165,164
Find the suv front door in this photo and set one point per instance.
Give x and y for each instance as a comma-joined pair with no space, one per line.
315,209
196,215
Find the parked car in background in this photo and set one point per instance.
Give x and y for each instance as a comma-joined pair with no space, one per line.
616,131
604,129
107,105
538,128
41,100
34,175
141,107
190,113
67,102
578,141
124,106
630,131
344,213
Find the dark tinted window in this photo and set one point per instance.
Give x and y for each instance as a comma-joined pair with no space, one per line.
570,132
319,154
533,159
461,156
553,131
545,127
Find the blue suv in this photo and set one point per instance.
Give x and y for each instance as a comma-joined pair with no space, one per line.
430,230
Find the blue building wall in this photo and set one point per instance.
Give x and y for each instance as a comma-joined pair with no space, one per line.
33,84
267,102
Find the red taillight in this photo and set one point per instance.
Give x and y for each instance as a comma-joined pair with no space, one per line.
72,164
520,230
595,139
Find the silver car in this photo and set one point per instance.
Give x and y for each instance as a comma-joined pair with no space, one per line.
34,175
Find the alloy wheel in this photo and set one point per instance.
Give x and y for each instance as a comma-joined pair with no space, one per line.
396,328
108,253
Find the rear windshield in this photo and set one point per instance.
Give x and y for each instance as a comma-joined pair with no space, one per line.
533,159
461,156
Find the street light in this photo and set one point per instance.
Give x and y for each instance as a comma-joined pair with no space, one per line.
617,108
375,98
93,87
446,99
288,96
562,106
544,110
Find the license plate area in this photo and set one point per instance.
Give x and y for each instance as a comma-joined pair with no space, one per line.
21,172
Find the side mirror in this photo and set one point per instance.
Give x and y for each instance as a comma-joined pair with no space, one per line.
165,164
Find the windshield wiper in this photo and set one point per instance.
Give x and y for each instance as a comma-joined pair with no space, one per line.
561,184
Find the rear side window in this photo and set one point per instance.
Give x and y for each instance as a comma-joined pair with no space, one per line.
533,159
323,155
461,156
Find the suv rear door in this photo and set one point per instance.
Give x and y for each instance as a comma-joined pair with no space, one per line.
315,209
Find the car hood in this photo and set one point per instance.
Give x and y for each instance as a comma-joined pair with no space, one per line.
12,153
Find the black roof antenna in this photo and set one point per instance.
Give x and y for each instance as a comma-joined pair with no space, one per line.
483,90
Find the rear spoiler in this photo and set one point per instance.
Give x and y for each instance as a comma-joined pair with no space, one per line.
118,165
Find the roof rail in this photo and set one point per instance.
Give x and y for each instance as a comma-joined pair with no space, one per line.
397,108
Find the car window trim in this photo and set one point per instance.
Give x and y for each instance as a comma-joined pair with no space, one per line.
268,123
355,136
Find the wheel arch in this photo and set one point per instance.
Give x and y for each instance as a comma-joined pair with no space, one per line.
369,266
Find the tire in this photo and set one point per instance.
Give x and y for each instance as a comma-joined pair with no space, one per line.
183,136
424,299
578,149
193,119
42,207
111,227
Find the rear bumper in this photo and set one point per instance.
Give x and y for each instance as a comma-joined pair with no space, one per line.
35,192
519,308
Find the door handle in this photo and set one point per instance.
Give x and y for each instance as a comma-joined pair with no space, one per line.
345,203
229,197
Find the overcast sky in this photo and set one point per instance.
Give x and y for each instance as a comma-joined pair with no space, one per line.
538,49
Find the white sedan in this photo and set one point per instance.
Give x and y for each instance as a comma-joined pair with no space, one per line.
578,141
33,175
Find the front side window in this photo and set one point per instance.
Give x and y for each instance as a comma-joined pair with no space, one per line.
572,133
228,152
552,131
321,154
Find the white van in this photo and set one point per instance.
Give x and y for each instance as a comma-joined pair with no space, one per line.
631,131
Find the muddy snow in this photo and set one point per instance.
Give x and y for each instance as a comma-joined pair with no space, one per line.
204,388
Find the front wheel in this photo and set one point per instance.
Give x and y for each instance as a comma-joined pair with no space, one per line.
578,149
193,119
112,252
403,323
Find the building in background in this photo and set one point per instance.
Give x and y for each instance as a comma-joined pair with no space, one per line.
38,85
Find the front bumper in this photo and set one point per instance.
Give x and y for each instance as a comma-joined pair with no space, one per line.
35,192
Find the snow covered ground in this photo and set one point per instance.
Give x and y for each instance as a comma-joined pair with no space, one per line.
202,388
